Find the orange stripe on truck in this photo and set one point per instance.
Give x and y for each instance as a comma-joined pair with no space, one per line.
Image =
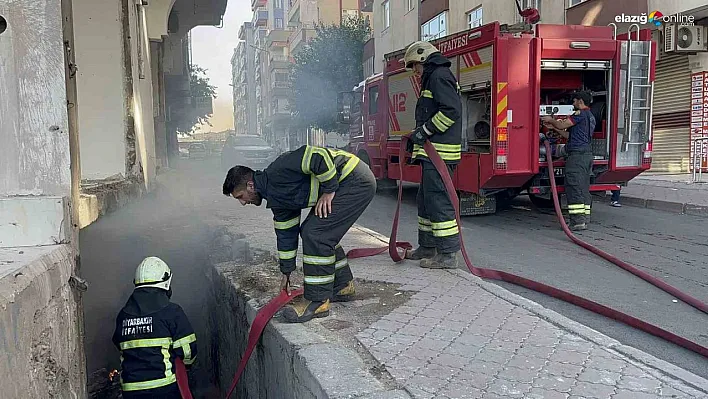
501,104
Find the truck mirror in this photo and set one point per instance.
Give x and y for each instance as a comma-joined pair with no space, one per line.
345,101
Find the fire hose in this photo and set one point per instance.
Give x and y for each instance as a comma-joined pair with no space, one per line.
269,310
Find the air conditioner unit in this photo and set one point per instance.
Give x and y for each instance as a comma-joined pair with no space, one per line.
691,39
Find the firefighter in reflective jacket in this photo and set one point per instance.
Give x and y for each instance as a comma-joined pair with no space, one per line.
437,115
338,188
150,333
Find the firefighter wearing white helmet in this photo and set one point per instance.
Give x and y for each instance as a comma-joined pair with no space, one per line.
151,332
437,116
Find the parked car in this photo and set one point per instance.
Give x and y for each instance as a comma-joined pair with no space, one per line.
197,151
247,150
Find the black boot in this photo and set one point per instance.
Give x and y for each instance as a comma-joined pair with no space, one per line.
441,261
345,294
421,253
302,310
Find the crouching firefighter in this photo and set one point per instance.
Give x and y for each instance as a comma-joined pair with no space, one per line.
151,332
578,129
338,188
437,115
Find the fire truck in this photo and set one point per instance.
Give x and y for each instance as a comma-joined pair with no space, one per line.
508,78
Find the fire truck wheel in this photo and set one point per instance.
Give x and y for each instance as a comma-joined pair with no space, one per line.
540,202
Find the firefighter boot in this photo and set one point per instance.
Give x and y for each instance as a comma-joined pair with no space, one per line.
302,310
441,261
421,253
345,294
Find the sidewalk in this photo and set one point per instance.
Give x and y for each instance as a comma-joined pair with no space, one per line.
462,337
671,193
457,336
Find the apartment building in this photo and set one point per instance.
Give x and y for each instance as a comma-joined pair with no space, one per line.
678,116
243,81
398,23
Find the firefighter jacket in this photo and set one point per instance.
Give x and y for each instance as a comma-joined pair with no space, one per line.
150,333
294,182
439,110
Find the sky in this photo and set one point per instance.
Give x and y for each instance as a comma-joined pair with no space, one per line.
212,49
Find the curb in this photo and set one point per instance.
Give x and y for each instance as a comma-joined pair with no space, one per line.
610,344
665,206
320,369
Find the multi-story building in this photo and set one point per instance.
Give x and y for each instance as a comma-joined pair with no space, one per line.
678,116
399,23
276,50
243,80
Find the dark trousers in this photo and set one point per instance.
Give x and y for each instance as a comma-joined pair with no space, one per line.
615,196
324,261
437,226
578,166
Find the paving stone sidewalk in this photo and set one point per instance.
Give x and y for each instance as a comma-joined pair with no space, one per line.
667,193
461,337
456,339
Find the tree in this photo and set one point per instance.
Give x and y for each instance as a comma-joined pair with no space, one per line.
328,64
199,89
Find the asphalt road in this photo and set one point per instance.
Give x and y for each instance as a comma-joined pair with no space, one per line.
531,244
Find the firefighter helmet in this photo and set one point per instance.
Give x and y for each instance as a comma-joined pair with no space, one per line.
153,272
418,52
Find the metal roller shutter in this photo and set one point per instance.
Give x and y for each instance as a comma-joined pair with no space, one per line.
671,115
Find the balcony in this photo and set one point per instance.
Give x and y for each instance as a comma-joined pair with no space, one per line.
300,36
260,17
278,37
258,3
294,12
280,84
278,61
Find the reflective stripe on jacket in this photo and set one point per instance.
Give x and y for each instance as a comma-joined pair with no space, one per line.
439,110
150,342
293,182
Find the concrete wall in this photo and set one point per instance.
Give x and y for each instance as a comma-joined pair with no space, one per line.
34,135
41,350
403,30
143,115
101,87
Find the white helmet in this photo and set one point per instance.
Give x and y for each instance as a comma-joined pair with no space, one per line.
153,272
418,52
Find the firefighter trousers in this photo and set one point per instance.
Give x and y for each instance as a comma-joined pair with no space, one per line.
437,226
324,262
578,167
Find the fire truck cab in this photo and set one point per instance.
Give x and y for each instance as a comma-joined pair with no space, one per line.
507,81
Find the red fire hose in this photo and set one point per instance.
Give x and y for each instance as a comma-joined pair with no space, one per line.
268,311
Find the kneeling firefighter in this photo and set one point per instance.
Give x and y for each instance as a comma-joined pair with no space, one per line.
151,332
338,188
437,116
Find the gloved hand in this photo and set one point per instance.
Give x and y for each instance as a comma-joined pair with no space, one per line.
409,144
419,136
287,267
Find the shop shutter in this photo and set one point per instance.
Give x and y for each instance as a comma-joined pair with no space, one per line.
671,115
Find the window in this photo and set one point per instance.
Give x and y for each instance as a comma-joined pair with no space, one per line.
474,18
572,3
435,28
528,4
386,15
278,23
373,100
278,3
410,4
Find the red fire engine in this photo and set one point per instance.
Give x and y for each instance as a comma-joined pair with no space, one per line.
508,79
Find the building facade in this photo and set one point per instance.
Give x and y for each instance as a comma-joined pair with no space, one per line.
399,23
677,115
243,82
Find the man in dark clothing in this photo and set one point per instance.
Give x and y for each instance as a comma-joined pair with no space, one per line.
578,129
437,115
151,332
338,188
